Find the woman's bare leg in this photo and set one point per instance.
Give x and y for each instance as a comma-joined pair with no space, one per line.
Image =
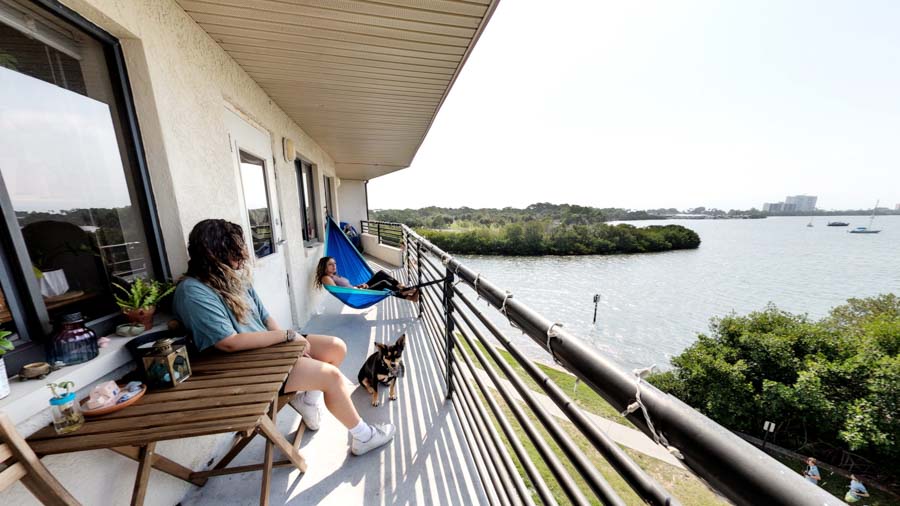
328,349
311,374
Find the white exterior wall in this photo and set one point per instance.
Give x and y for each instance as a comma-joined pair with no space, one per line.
352,198
181,81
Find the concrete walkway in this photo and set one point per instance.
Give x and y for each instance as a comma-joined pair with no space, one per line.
428,461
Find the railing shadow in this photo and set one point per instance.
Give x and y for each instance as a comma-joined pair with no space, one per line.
428,461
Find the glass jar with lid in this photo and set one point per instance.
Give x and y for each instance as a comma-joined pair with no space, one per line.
74,343
66,413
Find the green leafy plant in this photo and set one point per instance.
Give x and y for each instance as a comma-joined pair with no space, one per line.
68,385
5,344
142,293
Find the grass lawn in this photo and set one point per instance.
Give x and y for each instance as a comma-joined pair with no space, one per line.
582,394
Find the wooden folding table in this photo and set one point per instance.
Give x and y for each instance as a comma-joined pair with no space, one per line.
226,393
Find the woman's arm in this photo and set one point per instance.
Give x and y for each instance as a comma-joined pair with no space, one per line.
254,340
326,280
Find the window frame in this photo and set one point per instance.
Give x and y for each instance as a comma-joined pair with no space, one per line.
329,196
265,174
21,291
306,183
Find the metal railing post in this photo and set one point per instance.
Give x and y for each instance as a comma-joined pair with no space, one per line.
378,227
419,274
448,326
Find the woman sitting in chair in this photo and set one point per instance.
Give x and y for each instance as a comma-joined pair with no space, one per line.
218,305
326,274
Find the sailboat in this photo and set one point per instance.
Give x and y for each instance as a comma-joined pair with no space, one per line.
809,225
867,230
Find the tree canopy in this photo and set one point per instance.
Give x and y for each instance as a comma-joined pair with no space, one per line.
832,385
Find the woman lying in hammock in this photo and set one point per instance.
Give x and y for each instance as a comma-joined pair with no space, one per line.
326,274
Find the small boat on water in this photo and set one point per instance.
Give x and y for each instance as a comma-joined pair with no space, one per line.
838,224
869,229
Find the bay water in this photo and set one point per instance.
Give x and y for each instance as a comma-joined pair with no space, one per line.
652,306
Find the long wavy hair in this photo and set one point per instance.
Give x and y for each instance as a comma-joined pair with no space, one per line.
321,270
215,247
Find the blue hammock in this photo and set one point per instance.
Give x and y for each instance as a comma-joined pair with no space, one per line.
353,267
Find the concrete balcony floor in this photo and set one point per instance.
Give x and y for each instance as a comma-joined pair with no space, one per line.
428,461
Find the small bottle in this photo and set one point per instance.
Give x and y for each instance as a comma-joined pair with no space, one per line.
67,415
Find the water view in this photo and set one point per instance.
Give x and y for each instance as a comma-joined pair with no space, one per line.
653,306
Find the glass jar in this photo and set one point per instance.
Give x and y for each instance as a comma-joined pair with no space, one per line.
67,415
74,343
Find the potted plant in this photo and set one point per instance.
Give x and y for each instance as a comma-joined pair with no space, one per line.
5,345
138,302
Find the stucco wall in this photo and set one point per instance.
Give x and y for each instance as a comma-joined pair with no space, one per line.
389,254
352,198
182,81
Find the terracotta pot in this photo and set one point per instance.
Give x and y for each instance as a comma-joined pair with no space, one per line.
144,316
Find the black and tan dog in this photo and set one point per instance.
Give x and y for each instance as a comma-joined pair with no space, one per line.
384,367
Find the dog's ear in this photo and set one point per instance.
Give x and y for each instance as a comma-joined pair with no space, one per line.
380,347
401,342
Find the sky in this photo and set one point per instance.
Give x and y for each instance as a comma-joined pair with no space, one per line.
659,104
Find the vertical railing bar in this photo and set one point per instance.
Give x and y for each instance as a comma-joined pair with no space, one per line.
463,411
514,441
600,486
448,329
637,478
477,454
555,465
501,476
584,467
419,270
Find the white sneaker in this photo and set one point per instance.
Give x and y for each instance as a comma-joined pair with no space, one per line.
382,434
311,414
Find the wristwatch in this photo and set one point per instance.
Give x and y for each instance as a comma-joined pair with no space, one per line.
290,335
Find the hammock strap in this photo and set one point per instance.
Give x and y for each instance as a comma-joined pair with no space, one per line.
658,437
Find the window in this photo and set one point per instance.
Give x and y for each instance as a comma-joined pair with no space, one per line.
329,202
256,198
72,185
307,201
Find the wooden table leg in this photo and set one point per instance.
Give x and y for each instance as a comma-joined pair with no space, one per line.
159,463
267,462
145,464
269,430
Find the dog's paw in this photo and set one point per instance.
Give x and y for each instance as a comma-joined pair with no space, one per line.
375,404
393,397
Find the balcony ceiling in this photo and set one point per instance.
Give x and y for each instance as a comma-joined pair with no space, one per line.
364,78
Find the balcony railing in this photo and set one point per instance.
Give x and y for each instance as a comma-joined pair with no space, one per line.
457,331
387,233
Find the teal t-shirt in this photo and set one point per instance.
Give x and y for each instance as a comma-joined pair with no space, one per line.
204,313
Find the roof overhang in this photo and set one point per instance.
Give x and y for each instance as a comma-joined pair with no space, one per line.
365,80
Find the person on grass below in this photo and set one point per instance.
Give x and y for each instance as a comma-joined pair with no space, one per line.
326,274
857,490
219,306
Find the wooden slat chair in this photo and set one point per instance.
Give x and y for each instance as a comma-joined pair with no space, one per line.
19,462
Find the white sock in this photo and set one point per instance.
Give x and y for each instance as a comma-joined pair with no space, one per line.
363,431
313,397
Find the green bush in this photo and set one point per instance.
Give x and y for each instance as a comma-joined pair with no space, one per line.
831,385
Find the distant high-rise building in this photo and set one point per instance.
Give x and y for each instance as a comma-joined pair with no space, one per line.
773,207
802,203
897,207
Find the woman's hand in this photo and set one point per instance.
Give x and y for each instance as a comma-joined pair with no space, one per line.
363,286
301,339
